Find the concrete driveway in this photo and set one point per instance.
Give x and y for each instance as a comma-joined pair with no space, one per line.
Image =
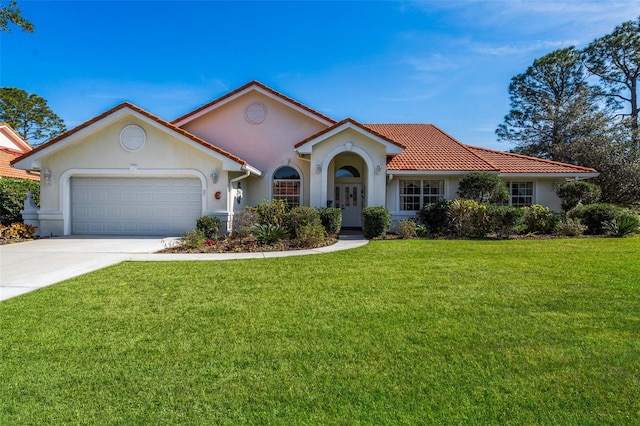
34,264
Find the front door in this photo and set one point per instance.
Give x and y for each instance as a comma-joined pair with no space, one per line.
349,198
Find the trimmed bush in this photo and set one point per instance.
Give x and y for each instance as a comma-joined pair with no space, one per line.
469,218
17,231
594,215
300,217
570,228
243,222
576,192
376,222
273,212
504,221
12,195
331,219
483,187
540,220
209,225
193,239
437,217
310,235
406,229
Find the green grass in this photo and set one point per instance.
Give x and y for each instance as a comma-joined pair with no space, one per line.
397,332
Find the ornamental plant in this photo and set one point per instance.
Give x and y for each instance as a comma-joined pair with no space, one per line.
376,222
209,225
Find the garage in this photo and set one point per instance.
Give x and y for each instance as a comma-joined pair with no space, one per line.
160,206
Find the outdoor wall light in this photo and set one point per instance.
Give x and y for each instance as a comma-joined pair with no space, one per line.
214,176
47,176
239,193
379,169
318,169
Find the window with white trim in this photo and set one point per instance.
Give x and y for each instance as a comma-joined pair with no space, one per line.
416,193
520,194
286,186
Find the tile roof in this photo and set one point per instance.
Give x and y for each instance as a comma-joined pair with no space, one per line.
8,155
355,123
429,148
144,113
262,86
515,163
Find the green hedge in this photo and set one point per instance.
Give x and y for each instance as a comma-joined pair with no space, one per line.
376,222
12,195
595,215
331,218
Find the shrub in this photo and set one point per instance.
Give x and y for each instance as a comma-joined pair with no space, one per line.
540,220
331,219
209,225
437,217
273,212
270,234
469,218
594,215
422,231
626,223
570,228
576,192
406,229
17,231
310,235
193,239
483,187
243,222
12,195
504,220
376,222
302,216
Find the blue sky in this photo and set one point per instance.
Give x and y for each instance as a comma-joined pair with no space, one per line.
443,62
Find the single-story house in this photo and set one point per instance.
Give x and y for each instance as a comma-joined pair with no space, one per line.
13,146
128,171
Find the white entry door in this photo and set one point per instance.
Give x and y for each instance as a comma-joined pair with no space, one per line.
349,198
134,206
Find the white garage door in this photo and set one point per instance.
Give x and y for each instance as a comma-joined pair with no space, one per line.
134,206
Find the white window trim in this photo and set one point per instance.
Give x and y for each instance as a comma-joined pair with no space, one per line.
445,188
533,190
297,169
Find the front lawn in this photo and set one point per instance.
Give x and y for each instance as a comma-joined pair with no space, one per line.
396,332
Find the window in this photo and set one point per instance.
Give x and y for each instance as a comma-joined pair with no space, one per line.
286,186
521,193
416,193
347,172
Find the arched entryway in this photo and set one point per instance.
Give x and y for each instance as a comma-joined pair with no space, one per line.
348,188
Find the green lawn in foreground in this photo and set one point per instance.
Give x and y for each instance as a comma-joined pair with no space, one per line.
397,332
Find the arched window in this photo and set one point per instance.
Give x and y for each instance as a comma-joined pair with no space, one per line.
347,172
286,186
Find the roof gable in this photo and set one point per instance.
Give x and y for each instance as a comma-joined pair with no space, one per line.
249,87
113,114
392,147
10,139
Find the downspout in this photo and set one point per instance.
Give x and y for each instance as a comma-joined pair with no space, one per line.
231,199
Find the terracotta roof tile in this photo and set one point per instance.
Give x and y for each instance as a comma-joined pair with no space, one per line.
6,156
515,163
354,122
146,114
429,148
262,86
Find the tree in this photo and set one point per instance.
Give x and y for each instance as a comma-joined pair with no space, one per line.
576,192
483,187
12,14
29,115
552,106
615,59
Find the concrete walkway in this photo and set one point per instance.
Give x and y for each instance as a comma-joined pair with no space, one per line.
31,265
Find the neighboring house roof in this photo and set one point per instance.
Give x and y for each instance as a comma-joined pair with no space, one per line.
6,171
252,85
508,163
144,113
12,146
429,148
